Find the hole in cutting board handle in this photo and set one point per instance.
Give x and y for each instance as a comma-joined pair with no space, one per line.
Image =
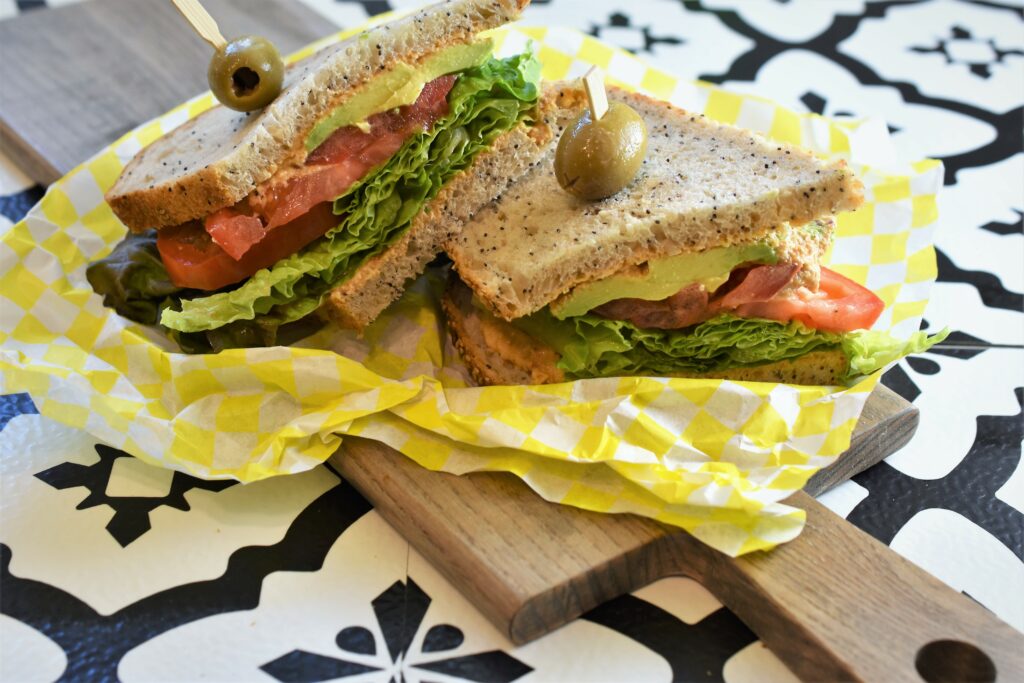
949,661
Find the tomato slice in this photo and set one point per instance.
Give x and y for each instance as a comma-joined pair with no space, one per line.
287,201
839,305
195,261
345,157
349,141
234,232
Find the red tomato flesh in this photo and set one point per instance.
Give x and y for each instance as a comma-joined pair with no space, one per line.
349,141
235,232
195,261
237,241
284,202
839,305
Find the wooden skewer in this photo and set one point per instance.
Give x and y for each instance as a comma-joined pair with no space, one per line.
593,83
201,21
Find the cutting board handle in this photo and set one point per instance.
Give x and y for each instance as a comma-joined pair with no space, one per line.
835,604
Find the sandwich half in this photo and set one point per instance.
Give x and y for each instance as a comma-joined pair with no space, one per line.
247,228
707,265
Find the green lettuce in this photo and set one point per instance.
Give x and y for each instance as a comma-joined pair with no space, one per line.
134,282
132,279
485,102
592,346
870,351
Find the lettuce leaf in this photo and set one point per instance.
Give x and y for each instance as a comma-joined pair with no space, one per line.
263,331
591,346
870,351
485,102
132,279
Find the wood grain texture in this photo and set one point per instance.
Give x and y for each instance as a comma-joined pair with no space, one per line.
829,603
201,21
886,424
76,78
835,604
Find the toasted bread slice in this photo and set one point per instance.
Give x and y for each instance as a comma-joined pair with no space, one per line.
496,352
218,158
703,184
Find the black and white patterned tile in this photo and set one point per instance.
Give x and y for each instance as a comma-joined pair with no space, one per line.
101,552
110,568
963,466
955,51
980,251
120,530
789,21
827,87
662,33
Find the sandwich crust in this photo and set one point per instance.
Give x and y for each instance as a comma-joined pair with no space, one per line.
218,158
703,184
493,360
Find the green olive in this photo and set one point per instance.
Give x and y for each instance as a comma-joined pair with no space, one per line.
596,159
246,74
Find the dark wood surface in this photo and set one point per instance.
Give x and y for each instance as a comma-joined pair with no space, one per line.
74,79
833,604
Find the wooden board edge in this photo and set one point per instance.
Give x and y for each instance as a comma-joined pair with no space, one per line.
893,420
649,550
24,156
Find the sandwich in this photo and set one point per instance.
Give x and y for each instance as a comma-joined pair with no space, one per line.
249,229
709,264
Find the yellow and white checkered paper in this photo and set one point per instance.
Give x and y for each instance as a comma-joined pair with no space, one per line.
714,457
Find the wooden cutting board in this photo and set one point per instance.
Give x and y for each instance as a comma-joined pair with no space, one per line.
834,604
74,79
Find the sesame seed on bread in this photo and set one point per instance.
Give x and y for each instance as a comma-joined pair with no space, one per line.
703,184
220,157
